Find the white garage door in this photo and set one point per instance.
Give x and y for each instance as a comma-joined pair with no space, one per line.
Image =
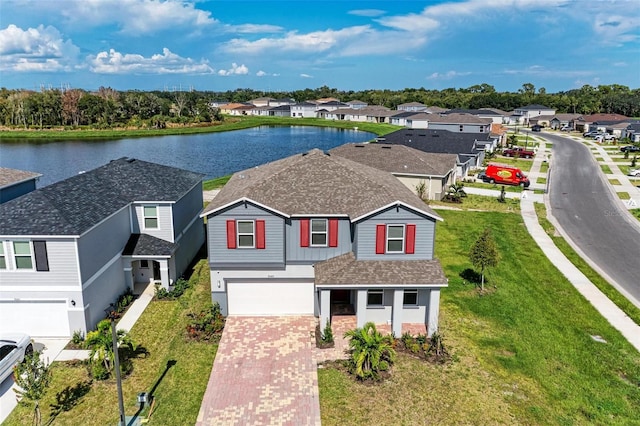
267,298
36,318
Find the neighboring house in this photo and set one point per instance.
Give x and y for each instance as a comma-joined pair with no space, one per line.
586,123
437,172
560,121
617,129
541,120
69,249
465,123
355,104
262,102
229,108
499,132
412,107
281,102
304,110
632,132
318,234
280,111
400,118
218,103
531,111
14,183
494,115
469,147
332,105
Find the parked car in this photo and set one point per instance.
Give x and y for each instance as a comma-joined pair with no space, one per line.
566,129
591,134
630,148
13,348
635,173
536,128
605,137
518,151
504,174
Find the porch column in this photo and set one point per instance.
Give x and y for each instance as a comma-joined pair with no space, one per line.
396,321
433,309
164,273
128,274
325,308
361,308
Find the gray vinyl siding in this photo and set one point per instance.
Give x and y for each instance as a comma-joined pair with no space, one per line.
103,291
189,244
15,191
63,267
219,254
185,209
366,235
297,254
97,247
381,314
417,314
165,221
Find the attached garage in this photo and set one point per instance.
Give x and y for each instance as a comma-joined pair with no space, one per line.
270,298
35,317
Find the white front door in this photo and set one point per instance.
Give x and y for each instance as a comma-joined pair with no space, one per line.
270,298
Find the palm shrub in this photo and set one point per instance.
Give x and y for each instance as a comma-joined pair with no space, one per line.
371,352
100,343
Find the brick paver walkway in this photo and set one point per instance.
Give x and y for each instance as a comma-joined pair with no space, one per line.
264,374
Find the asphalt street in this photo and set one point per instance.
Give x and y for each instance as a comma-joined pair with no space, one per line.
591,215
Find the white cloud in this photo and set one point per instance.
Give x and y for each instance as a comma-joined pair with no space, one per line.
306,76
620,64
447,75
261,73
616,29
540,71
114,62
36,49
234,70
135,16
370,13
255,28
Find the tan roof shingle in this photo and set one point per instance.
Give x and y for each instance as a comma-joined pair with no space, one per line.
14,176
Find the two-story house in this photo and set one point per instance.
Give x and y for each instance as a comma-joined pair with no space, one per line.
531,111
318,234
69,249
14,183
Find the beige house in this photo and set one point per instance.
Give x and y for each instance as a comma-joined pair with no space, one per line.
412,167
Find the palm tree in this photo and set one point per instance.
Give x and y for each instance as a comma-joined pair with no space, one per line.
100,341
370,351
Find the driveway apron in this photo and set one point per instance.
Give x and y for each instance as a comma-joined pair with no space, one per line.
264,374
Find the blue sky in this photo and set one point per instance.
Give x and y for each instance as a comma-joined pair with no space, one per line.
291,45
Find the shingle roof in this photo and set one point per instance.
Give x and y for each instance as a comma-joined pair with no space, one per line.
602,117
481,111
13,176
148,245
72,206
398,159
533,107
346,270
443,141
317,183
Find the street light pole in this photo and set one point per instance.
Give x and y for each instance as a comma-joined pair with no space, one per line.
114,336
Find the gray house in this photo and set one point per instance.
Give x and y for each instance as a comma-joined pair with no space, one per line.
70,249
318,234
14,183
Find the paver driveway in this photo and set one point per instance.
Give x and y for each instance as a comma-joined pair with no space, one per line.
264,374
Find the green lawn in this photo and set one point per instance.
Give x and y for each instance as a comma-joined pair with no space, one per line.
481,203
522,164
522,353
614,181
496,187
636,214
544,167
215,183
178,393
623,195
606,169
541,180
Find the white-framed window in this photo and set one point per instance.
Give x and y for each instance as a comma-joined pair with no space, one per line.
22,255
395,238
318,232
150,214
144,263
375,297
410,297
3,257
246,233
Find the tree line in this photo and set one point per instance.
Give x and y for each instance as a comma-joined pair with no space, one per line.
107,108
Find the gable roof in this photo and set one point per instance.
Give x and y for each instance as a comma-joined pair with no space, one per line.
398,159
74,205
315,183
457,118
474,111
442,141
9,177
602,117
533,107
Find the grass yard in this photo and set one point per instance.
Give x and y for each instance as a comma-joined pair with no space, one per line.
522,164
624,195
178,390
496,187
522,353
636,214
544,167
541,180
215,183
614,181
606,169
481,203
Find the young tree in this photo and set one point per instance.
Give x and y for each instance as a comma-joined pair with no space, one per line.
484,253
371,352
33,377
100,343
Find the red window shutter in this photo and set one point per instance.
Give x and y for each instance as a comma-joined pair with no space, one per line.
260,234
333,232
410,240
381,238
304,233
231,234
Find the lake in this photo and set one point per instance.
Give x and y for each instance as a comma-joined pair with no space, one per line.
213,154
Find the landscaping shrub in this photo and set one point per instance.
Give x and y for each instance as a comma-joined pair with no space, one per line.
206,325
178,290
325,339
102,357
370,352
77,338
124,300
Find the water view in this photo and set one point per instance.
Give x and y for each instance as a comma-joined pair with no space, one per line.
214,154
